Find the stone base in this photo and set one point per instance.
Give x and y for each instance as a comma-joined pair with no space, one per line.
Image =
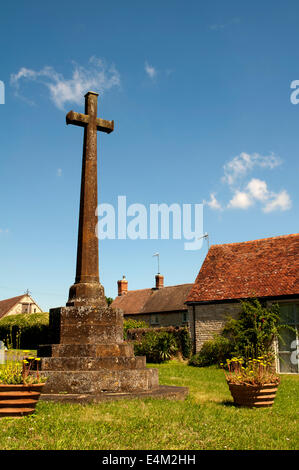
163,391
94,382
89,361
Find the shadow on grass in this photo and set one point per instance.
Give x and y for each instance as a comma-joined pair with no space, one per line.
228,403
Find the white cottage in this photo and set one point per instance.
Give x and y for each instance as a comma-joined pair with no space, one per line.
20,304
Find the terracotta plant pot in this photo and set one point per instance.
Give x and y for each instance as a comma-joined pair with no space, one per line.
19,400
258,396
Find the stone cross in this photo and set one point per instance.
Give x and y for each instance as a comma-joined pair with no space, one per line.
87,289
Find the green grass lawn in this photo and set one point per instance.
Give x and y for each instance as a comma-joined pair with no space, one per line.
205,420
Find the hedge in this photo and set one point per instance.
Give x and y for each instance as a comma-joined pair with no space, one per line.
32,329
131,324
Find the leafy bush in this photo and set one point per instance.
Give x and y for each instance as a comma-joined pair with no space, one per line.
214,351
252,334
156,346
130,323
25,331
159,344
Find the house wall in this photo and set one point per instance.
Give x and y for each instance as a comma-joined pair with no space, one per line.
209,320
18,308
164,319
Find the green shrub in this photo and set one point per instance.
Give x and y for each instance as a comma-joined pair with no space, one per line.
159,344
25,331
156,346
130,323
253,332
214,351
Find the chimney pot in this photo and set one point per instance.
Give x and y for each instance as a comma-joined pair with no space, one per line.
159,281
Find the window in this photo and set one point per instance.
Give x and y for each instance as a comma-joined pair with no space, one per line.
25,308
287,345
185,317
154,319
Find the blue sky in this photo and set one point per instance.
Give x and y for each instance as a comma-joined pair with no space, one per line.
200,95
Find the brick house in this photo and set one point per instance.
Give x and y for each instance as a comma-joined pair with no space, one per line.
20,304
157,306
267,269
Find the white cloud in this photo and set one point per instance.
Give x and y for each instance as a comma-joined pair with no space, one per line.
213,203
240,200
242,164
97,76
258,189
150,70
280,201
59,172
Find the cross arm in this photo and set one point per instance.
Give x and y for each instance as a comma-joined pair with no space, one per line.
77,119
105,126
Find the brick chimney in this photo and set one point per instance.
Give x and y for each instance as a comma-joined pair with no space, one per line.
122,286
159,281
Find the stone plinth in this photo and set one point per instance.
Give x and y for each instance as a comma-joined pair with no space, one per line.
89,361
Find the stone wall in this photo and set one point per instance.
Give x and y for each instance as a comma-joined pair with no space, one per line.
209,320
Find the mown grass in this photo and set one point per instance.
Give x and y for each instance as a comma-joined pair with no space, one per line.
205,420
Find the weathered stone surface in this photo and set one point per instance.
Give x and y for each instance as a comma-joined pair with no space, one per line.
91,356
91,363
83,325
163,391
86,350
104,380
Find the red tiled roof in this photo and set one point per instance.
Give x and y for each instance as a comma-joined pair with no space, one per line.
7,304
167,299
263,268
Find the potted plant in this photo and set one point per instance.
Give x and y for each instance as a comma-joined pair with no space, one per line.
252,382
19,387
251,374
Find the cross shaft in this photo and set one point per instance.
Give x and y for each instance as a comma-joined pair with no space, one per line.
87,289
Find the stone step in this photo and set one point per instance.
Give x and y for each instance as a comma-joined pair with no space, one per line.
19,395
121,349
11,412
104,380
18,403
163,391
91,363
